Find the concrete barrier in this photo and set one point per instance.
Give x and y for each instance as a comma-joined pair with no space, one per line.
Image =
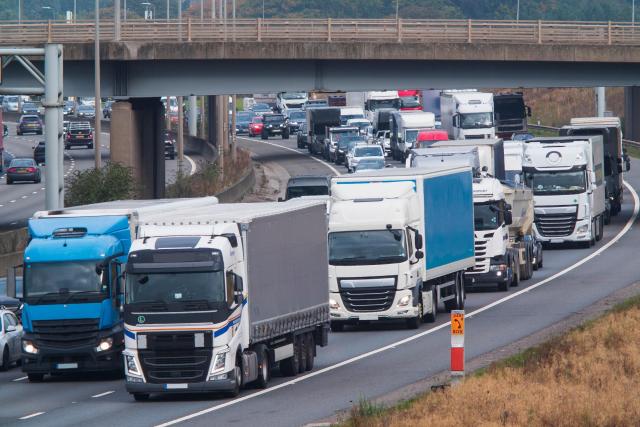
237,191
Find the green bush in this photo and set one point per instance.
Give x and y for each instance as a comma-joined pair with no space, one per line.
111,182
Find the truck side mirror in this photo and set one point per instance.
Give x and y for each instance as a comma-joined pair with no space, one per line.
627,164
99,268
418,241
419,254
456,120
238,288
508,218
528,111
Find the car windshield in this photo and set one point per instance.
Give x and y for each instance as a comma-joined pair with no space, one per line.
476,120
30,119
348,142
375,104
297,116
562,182
294,95
256,119
486,216
12,99
345,118
244,117
367,247
370,151
29,105
62,278
86,108
175,287
21,163
410,101
261,107
307,190
273,119
344,135
370,164
68,103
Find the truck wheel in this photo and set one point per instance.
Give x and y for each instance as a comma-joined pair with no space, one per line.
291,365
607,215
35,378
600,231
430,317
414,322
302,349
264,369
141,397
515,279
337,326
458,302
311,351
237,382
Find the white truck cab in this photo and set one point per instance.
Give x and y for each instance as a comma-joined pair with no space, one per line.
405,127
467,115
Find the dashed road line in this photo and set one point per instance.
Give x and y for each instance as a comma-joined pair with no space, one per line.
106,393
35,414
20,379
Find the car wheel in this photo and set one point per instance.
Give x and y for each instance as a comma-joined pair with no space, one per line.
5,360
89,145
141,397
35,378
9,181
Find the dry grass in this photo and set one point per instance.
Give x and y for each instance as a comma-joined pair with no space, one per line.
588,377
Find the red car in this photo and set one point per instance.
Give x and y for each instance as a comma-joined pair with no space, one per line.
255,127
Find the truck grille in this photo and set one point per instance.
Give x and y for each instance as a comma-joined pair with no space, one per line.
175,366
557,224
368,299
482,261
66,333
474,137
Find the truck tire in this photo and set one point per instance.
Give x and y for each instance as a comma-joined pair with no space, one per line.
311,351
290,366
337,326
458,302
430,317
414,322
237,371
302,349
35,378
141,397
607,215
515,279
600,230
264,368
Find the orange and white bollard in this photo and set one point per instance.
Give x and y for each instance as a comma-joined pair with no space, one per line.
457,343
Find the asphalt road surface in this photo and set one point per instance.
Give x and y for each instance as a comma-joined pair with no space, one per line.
363,362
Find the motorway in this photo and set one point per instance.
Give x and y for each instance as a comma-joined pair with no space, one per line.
363,362
21,199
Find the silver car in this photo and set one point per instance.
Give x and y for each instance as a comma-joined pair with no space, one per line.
10,339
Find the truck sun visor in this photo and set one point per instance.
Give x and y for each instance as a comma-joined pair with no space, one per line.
188,260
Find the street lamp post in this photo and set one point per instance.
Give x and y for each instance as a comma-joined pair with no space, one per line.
397,9
633,12
97,125
518,11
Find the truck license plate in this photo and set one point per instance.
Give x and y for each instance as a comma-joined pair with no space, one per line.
175,386
67,366
368,316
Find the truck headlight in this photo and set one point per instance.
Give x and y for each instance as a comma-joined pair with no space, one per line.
333,304
498,267
132,365
105,344
583,228
29,347
405,300
219,361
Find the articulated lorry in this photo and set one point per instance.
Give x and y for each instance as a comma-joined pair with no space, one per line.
399,243
510,113
467,115
404,127
72,285
318,120
566,175
218,296
611,131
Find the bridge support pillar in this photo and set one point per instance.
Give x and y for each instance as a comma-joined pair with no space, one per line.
632,113
137,142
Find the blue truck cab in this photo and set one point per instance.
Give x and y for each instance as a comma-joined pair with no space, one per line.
72,293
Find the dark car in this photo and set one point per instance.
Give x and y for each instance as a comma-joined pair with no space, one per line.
69,108
79,133
86,111
106,111
169,145
275,124
296,118
29,108
23,170
29,124
243,120
345,144
38,153
261,108
299,186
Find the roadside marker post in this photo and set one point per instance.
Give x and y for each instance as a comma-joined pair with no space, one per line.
457,344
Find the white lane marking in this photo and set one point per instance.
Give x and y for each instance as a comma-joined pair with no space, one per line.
302,153
20,379
106,393
615,239
34,192
24,197
192,164
12,201
35,414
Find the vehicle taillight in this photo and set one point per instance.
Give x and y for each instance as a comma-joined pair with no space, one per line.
11,170
68,137
31,169
90,134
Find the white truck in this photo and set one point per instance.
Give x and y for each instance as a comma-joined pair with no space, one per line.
467,115
216,297
374,100
513,155
399,243
286,101
566,175
404,127
351,112
490,153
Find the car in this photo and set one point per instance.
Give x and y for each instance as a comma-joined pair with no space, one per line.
38,153
5,130
521,136
10,103
23,169
363,151
255,127
274,124
314,103
261,108
29,124
86,111
343,146
364,125
369,165
69,108
383,137
106,111
243,120
169,145
302,135
78,133
311,185
29,108
10,339
296,118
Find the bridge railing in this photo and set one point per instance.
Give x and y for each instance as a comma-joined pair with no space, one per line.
326,30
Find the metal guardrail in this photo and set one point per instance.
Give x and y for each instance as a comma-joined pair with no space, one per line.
325,30
628,142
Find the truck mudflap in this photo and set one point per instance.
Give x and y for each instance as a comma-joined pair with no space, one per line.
289,323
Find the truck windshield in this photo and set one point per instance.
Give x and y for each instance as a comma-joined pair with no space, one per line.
411,135
343,136
556,183
59,280
509,109
374,104
476,120
486,216
367,247
410,102
170,288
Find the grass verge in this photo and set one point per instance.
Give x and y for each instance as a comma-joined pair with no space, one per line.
589,376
